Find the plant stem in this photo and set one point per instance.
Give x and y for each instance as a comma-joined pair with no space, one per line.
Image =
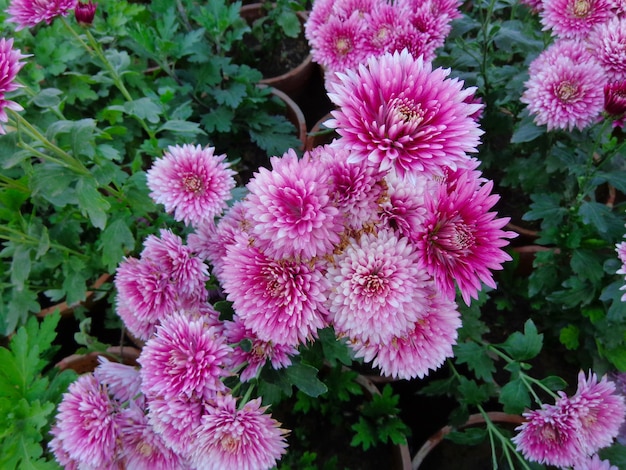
16,236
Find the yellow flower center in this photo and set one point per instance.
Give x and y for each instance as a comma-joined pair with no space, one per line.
566,91
193,183
581,8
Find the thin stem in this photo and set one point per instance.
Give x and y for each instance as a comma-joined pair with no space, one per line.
9,183
77,36
21,237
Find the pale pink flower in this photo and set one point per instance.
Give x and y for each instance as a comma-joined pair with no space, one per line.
29,13
462,240
321,11
191,182
384,26
141,447
595,463
122,381
184,357
257,352
607,41
10,65
290,209
572,49
550,436
379,290
574,18
416,120
358,8
231,438
85,429
565,94
281,301
424,348
432,18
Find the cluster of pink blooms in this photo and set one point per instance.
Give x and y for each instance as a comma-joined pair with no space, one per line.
583,72
372,234
570,432
345,33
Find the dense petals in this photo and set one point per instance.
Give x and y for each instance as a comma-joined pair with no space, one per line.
594,463
122,381
29,13
574,18
608,43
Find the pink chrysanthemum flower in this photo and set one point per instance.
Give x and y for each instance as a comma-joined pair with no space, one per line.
403,209
321,11
595,463
258,351
599,410
424,348
184,357
10,65
619,378
231,438
85,428
608,43
355,187
571,49
615,98
550,436
191,182
141,447
123,382
384,25
281,301
175,419
574,18
461,240
290,209
379,290
29,13
415,121
566,94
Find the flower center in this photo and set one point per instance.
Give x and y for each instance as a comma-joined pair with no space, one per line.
371,282
230,444
407,111
145,449
193,183
581,8
454,237
343,46
566,91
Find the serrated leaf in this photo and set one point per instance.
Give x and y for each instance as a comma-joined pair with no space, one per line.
514,396
48,98
524,346
595,214
554,383
304,377
92,202
476,358
181,127
568,336
364,434
335,350
117,240
526,131
470,393
20,265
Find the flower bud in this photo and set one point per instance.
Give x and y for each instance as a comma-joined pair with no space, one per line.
84,12
615,98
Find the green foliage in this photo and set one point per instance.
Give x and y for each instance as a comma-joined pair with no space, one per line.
29,395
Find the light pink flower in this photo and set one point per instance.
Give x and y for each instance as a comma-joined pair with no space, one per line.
257,353
85,429
29,13
566,94
290,209
572,49
424,348
574,18
461,240
184,357
379,290
10,65
416,120
191,182
122,381
607,41
550,436
281,301
231,438
595,463
141,447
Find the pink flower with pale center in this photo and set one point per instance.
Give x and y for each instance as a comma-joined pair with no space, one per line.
607,41
184,357
281,301
232,438
574,18
417,120
572,49
403,209
85,429
461,240
566,94
29,13
290,209
10,65
191,182
378,289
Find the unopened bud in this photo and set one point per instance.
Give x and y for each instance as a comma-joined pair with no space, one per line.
84,12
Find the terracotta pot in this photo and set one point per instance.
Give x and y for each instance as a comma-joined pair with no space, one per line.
67,310
294,81
320,134
475,419
83,363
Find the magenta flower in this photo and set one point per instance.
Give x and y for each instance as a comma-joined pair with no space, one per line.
281,301
379,290
572,49
191,182
123,382
85,429
141,447
403,209
608,43
461,240
231,438
417,121
566,94
10,65
29,13
258,352
615,98
595,463
290,209
184,357
550,436
574,18
424,348
85,12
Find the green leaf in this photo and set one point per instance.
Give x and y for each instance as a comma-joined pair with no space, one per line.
20,265
304,377
290,24
470,436
48,98
585,263
476,358
526,131
546,206
144,108
470,393
181,127
596,214
514,396
365,434
554,383
569,337
117,240
92,202
335,350
524,346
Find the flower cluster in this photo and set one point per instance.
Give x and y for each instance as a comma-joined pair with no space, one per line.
345,33
570,432
565,88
